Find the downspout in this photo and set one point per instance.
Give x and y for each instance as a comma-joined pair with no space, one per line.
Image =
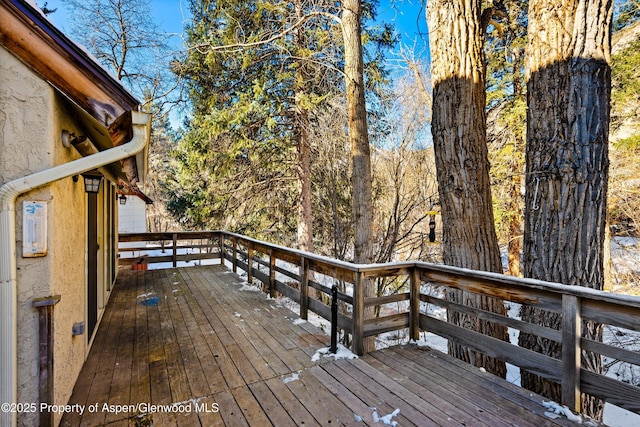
9,193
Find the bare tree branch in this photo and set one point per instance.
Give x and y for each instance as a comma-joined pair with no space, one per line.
283,33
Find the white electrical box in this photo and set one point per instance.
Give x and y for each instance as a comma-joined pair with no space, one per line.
34,228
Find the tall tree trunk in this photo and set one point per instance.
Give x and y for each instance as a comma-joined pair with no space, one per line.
305,216
568,94
459,136
359,139
514,246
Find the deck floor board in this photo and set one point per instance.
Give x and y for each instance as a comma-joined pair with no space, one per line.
466,409
208,351
482,399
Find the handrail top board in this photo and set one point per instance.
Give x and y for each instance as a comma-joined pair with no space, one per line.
438,273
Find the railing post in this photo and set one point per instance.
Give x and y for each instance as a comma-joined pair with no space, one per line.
45,322
175,250
272,274
334,319
235,254
304,288
357,343
571,351
414,304
221,247
250,263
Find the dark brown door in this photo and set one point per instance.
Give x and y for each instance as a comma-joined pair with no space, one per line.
92,268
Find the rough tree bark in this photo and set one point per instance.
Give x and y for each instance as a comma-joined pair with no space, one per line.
568,94
514,246
359,139
305,216
459,136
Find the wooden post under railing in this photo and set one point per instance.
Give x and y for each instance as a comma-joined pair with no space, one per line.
235,254
357,343
250,263
414,305
175,250
304,288
221,247
45,316
571,351
272,274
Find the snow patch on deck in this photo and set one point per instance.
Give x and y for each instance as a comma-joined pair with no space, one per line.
341,353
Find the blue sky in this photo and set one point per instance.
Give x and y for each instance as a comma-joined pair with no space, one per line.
408,16
168,14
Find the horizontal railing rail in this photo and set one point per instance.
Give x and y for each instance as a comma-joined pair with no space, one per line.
173,248
293,273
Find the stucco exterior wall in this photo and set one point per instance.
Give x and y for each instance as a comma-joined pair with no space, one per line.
67,233
25,125
32,116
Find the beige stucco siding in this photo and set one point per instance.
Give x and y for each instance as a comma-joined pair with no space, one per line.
25,127
68,254
32,116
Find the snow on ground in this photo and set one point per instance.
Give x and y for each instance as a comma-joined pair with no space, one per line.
246,287
157,251
625,254
618,417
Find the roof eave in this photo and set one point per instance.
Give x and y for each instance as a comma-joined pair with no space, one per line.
63,63
29,35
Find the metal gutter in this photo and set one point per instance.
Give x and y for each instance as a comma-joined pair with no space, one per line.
9,193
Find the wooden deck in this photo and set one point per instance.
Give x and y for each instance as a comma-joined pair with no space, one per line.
195,339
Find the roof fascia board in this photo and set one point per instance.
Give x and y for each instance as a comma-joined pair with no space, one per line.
60,61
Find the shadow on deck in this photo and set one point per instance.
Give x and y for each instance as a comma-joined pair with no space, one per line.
196,347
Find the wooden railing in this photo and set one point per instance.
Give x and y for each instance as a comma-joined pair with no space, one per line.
171,249
293,273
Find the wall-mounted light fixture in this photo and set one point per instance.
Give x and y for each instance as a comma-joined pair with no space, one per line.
66,137
123,199
92,182
70,138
